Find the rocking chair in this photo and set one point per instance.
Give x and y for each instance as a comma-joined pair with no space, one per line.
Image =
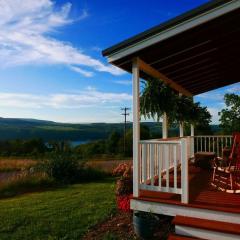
227,178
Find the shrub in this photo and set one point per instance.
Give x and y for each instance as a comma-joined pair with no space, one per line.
62,167
124,186
87,174
124,182
65,168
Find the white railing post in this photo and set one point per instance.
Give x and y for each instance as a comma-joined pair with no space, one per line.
136,127
192,130
192,140
165,126
181,129
184,172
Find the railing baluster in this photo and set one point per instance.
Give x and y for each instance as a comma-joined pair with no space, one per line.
144,161
184,173
166,160
201,143
175,165
152,163
148,160
160,158
196,140
205,143
213,144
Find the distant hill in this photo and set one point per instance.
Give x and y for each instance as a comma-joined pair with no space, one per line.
14,128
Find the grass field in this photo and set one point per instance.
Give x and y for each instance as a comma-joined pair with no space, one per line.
106,165
64,214
15,164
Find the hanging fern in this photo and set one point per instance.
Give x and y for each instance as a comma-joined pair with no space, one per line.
157,98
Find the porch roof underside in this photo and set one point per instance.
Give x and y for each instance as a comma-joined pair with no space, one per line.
199,59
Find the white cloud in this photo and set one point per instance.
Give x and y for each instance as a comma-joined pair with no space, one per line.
234,89
212,96
83,72
89,97
214,113
124,82
25,29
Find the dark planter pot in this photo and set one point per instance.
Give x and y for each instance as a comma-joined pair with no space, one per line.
144,226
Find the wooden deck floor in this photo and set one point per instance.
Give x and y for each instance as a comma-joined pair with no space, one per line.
201,194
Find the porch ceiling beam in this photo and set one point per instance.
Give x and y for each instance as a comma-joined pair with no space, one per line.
189,58
209,88
156,74
195,78
202,69
189,66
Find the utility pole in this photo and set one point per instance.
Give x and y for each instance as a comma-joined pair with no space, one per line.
125,114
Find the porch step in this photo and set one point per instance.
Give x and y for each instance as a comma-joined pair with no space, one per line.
206,229
178,237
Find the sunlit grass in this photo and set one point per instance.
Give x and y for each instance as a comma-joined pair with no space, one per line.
61,214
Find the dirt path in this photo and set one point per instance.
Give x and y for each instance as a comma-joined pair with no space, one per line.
120,227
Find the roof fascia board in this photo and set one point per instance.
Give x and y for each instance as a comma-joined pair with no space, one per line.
179,28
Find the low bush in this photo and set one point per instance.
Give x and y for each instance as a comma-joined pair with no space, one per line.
61,167
87,174
65,168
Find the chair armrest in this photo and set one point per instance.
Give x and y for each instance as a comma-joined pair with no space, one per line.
220,162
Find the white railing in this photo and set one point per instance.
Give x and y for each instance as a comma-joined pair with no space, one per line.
161,165
212,143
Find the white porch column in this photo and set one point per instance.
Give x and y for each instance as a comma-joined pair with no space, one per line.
165,126
181,125
192,141
136,127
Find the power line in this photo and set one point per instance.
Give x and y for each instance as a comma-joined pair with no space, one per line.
125,114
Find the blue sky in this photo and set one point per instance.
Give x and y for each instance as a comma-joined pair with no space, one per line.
51,63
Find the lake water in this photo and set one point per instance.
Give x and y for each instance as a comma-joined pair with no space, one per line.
77,143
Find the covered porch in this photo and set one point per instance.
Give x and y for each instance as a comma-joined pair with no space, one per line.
194,53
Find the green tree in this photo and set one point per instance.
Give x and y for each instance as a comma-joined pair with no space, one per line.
144,134
112,142
230,116
201,119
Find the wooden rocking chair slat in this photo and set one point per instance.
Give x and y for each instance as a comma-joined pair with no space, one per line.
228,178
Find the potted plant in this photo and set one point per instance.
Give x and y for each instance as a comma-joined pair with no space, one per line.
145,224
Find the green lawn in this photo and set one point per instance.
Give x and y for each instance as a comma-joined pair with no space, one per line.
61,214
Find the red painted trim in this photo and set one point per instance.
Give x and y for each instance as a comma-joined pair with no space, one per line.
176,237
210,225
174,202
